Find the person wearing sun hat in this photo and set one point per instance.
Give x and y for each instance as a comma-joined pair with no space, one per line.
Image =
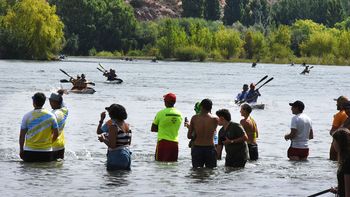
301,132
338,120
167,123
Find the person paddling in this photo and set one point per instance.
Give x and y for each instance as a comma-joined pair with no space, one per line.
252,96
111,75
241,97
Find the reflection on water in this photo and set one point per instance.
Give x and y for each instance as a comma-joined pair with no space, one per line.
83,172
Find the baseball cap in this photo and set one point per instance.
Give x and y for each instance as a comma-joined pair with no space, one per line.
341,99
55,97
300,105
170,97
113,106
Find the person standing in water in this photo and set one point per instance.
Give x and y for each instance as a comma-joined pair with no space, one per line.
167,124
204,125
301,132
251,130
61,113
39,129
338,120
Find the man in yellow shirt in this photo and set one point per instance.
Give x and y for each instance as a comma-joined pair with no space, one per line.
338,120
167,123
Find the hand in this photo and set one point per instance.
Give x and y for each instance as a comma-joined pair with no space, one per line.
60,92
187,124
286,137
334,190
101,138
103,116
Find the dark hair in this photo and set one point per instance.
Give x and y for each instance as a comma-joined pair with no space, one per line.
342,137
207,104
39,99
224,113
246,108
117,112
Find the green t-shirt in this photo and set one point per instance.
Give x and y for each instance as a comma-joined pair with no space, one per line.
169,122
237,150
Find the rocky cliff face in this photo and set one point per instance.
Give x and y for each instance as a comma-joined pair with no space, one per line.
146,10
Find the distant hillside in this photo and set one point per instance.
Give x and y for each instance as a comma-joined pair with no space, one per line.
146,10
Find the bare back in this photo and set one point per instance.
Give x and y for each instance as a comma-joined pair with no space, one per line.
204,126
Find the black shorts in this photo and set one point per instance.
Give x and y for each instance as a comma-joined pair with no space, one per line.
37,156
58,154
253,151
236,163
203,156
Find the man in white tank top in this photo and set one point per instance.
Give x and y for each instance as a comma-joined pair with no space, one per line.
301,132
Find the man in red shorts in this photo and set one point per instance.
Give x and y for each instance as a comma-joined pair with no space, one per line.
301,132
167,123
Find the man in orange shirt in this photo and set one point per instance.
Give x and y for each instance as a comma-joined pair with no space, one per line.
338,120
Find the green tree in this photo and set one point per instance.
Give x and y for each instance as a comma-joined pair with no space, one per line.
100,24
201,37
344,44
344,25
319,44
34,30
232,11
212,10
255,45
229,43
172,36
193,8
255,12
280,41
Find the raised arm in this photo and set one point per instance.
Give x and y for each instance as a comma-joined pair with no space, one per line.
99,130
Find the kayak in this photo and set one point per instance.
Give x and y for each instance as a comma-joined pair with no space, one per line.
83,91
257,106
115,81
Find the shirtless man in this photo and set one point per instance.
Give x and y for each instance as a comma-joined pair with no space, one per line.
204,126
251,129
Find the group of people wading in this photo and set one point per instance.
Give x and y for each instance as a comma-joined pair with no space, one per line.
42,135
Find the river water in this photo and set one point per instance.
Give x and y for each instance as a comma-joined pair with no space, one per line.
83,172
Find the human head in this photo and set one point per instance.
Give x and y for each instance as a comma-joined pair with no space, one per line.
55,101
117,112
223,114
341,100
83,76
245,87
246,109
206,105
169,99
341,142
78,76
252,86
39,99
297,107
197,107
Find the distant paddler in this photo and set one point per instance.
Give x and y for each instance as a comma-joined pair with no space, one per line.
111,74
306,70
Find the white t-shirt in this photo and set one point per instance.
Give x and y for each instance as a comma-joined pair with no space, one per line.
302,123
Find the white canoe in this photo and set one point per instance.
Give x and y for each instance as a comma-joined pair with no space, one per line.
84,91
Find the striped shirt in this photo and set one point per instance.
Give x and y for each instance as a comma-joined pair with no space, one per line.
61,116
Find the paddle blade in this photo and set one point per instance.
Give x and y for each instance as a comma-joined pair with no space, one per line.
64,81
261,80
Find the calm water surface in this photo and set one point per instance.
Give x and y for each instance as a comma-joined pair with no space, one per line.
83,172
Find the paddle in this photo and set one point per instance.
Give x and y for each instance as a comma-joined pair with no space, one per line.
66,73
264,83
262,80
251,99
64,81
320,193
101,70
102,67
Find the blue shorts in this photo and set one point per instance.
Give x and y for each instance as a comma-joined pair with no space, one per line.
119,159
203,156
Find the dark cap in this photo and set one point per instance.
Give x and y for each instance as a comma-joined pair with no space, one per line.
170,97
300,105
110,108
341,99
56,97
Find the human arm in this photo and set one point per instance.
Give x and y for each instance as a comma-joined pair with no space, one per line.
21,141
154,128
291,135
190,129
99,130
54,134
347,185
311,134
238,140
219,151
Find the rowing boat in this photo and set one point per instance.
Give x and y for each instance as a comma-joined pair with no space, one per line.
257,106
115,81
83,91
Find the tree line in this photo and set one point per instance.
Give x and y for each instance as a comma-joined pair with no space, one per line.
246,29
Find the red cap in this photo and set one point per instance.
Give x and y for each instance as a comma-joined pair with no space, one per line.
170,97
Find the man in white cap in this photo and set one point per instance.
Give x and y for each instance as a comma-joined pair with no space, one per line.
61,113
301,132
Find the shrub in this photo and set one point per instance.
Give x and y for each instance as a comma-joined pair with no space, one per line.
104,54
190,53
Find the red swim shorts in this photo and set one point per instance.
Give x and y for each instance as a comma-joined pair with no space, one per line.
167,151
302,153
